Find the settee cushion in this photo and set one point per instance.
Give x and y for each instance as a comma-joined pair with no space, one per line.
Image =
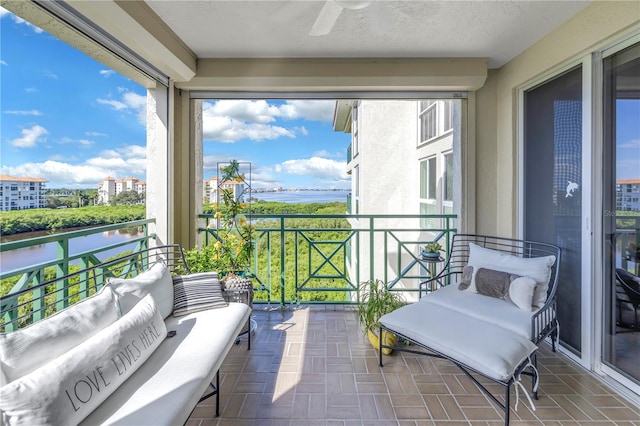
155,281
479,307
165,389
24,350
68,388
484,347
197,292
538,268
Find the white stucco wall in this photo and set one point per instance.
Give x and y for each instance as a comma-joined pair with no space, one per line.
389,164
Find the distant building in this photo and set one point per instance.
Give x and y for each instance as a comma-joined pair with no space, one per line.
111,187
210,189
20,193
628,195
211,186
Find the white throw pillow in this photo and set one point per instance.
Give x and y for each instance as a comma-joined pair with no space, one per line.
155,281
538,268
24,350
67,389
521,292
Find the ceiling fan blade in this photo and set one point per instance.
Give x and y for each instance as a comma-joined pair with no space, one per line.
326,19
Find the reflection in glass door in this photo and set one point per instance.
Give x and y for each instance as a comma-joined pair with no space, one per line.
621,331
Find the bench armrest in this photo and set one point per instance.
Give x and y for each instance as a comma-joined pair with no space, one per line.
544,321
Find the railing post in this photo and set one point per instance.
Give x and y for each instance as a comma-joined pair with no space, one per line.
371,253
282,264
38,297
62,269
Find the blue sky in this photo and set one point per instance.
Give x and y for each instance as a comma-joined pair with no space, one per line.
73,121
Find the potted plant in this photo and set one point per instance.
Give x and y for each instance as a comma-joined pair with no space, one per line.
432,250
230,254
376,301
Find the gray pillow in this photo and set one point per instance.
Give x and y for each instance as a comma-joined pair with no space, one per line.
196,292
467,275
494,283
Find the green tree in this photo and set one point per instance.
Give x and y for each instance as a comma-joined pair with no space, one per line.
127,198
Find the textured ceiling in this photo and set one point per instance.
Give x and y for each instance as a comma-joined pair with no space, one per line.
498,30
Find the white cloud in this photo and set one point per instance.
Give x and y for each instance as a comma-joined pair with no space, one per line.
85,142
2,62
18,20
24,112
226,129
117,105
131,102
107,73
95,134
241,110
51,75
634,143
30,137
232,120
326,154
31,89
120,162
310,110
317,167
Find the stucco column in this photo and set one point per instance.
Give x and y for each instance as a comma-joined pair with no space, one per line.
159,169
187,168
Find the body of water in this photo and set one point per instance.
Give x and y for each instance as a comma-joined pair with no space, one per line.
45,252
302,197
28,256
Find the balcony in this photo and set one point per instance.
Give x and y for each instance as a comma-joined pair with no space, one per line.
312,365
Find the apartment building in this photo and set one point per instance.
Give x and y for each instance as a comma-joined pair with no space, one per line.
628,195
110,187
20,193
402,161
211,186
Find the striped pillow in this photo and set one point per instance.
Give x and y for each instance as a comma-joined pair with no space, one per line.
196,292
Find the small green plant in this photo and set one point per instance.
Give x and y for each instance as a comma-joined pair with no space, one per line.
434,247
232,249
375,301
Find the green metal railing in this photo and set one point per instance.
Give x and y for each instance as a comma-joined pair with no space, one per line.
323,258
628,240
16,280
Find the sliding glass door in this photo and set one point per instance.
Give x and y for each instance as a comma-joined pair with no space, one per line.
621,201
553,183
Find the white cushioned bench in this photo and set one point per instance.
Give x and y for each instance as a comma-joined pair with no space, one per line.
142,350
483,347
495,305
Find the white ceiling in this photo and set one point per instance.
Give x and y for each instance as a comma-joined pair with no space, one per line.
498,30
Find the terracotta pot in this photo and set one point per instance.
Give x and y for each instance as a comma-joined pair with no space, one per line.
389,339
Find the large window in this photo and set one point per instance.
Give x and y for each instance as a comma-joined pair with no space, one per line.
354,132
447,190
428,189
447,115
428,120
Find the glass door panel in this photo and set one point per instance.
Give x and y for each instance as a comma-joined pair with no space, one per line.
553,187
621,124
